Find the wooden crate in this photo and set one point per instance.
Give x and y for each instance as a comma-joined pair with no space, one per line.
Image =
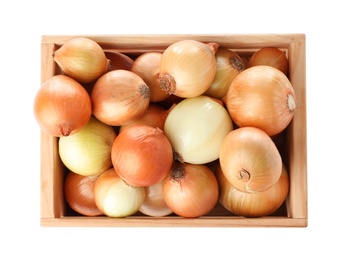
293,213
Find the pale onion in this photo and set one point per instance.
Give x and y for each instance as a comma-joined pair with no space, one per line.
263,97
79,194
62,106
196,128
229,64
114,197
118,60
188,68
270,56
142,155
119,97
190,190
250,160
154,204
154,116
82,59
147,66
88,152
253,204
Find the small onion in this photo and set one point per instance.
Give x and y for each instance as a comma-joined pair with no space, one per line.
142,155
79,194
187,68
270,56
88,152
62,106
263,97
196,128
250,160
154,204
253,204
82,59
119,97
190,190
229,64
147,66
114,197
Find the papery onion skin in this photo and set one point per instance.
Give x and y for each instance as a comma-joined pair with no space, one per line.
263,97
79,194
190,190
62,106
88,152
250,160
82,59
118,60
142,155
187,68
257,204
114,197
196,128
119,97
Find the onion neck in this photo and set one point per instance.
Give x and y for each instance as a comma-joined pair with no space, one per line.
177,173
243,175
213,46
167,83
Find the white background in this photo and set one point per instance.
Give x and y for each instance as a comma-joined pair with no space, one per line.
22,24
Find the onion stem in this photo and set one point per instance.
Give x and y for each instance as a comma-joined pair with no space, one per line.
167,83
243,175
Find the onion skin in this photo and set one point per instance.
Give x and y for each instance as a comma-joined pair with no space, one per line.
79,194
142,155
250,160
257,204
62,107
262,97
190,190
82,59
119,97
118,61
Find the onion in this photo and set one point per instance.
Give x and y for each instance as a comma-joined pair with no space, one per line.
250,160
154,204
196,128
79,194
187,68
88,152
190,190
114,197
229,64
253,204
119,97
142,155
270,56
118,61
82,59
263,97
62,106
147,66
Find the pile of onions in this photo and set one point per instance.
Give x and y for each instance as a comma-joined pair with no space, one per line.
82,59
196,128
142,155
253,204
119,97
62,106
187,68
190,190
263,97
88,152
79,194
250,160
114,197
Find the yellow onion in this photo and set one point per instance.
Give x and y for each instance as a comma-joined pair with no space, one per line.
187,68
250,160
119,97
82,59
142,155
88,152
229,64
261,96
114,197
62,106
253,204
